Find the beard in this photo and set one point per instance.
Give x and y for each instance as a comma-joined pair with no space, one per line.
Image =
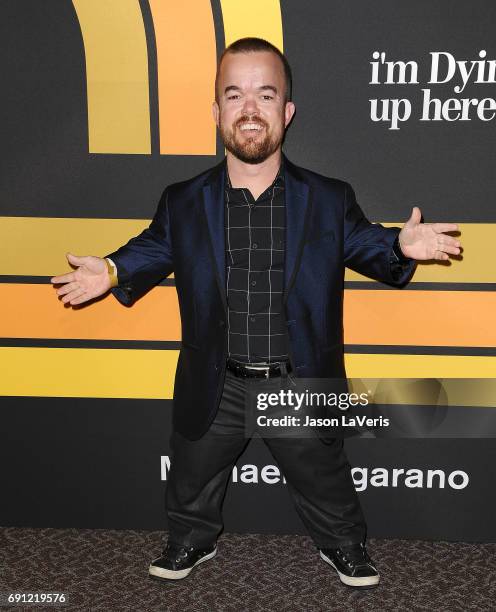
251,150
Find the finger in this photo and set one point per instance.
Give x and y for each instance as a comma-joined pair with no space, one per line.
444,227
75,293
76,260
450,249
448,240
84,297
68,288
440,255
415,217
63,278
448,244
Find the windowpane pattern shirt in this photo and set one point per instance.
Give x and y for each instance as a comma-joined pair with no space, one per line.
255,249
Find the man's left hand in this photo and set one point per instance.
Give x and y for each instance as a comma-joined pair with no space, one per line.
423,241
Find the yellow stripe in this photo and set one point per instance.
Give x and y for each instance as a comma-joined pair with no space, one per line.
62,372
36,246
260,18
117,75
126,373
419,366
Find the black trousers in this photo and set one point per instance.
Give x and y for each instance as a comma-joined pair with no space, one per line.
318,477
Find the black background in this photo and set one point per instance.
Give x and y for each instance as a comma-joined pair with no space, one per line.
96,462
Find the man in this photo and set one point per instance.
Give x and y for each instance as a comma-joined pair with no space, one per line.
258,248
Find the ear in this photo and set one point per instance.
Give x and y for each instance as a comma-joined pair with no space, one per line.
289,111
216,113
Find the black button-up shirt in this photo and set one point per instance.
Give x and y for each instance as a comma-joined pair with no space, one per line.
255,249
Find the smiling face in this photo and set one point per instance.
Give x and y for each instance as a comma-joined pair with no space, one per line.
251,112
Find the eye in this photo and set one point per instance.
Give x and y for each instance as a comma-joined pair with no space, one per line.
233,97
267,97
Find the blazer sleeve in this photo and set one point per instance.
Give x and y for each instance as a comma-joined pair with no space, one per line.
146,259
368,247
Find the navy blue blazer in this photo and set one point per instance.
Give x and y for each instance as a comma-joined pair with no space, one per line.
325,231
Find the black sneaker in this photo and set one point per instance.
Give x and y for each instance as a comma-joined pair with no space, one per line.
176,562
353,565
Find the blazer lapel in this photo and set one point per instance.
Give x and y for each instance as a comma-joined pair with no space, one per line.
213,201
297,207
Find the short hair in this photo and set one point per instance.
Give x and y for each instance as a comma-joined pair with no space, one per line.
251,45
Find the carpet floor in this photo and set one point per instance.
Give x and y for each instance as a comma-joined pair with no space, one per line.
107,570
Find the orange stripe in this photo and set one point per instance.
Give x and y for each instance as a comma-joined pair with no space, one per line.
431,318
34,311
186,59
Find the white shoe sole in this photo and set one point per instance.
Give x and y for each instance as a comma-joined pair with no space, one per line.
359,581
160,572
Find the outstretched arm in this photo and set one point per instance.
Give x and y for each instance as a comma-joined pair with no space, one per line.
146,259
140,264
370,248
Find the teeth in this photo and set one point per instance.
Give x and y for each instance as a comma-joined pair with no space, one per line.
250,126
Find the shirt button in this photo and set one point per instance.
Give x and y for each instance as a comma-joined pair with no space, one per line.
253,283
252,319
254,245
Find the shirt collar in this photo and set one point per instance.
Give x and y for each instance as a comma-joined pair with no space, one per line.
278,181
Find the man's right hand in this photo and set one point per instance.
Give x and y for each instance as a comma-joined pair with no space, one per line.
90,280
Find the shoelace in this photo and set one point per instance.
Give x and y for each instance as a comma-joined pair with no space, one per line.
354,556
177,553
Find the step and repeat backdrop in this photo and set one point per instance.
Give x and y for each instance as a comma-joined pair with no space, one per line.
104,103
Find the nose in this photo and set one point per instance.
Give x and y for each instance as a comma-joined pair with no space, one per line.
250,106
